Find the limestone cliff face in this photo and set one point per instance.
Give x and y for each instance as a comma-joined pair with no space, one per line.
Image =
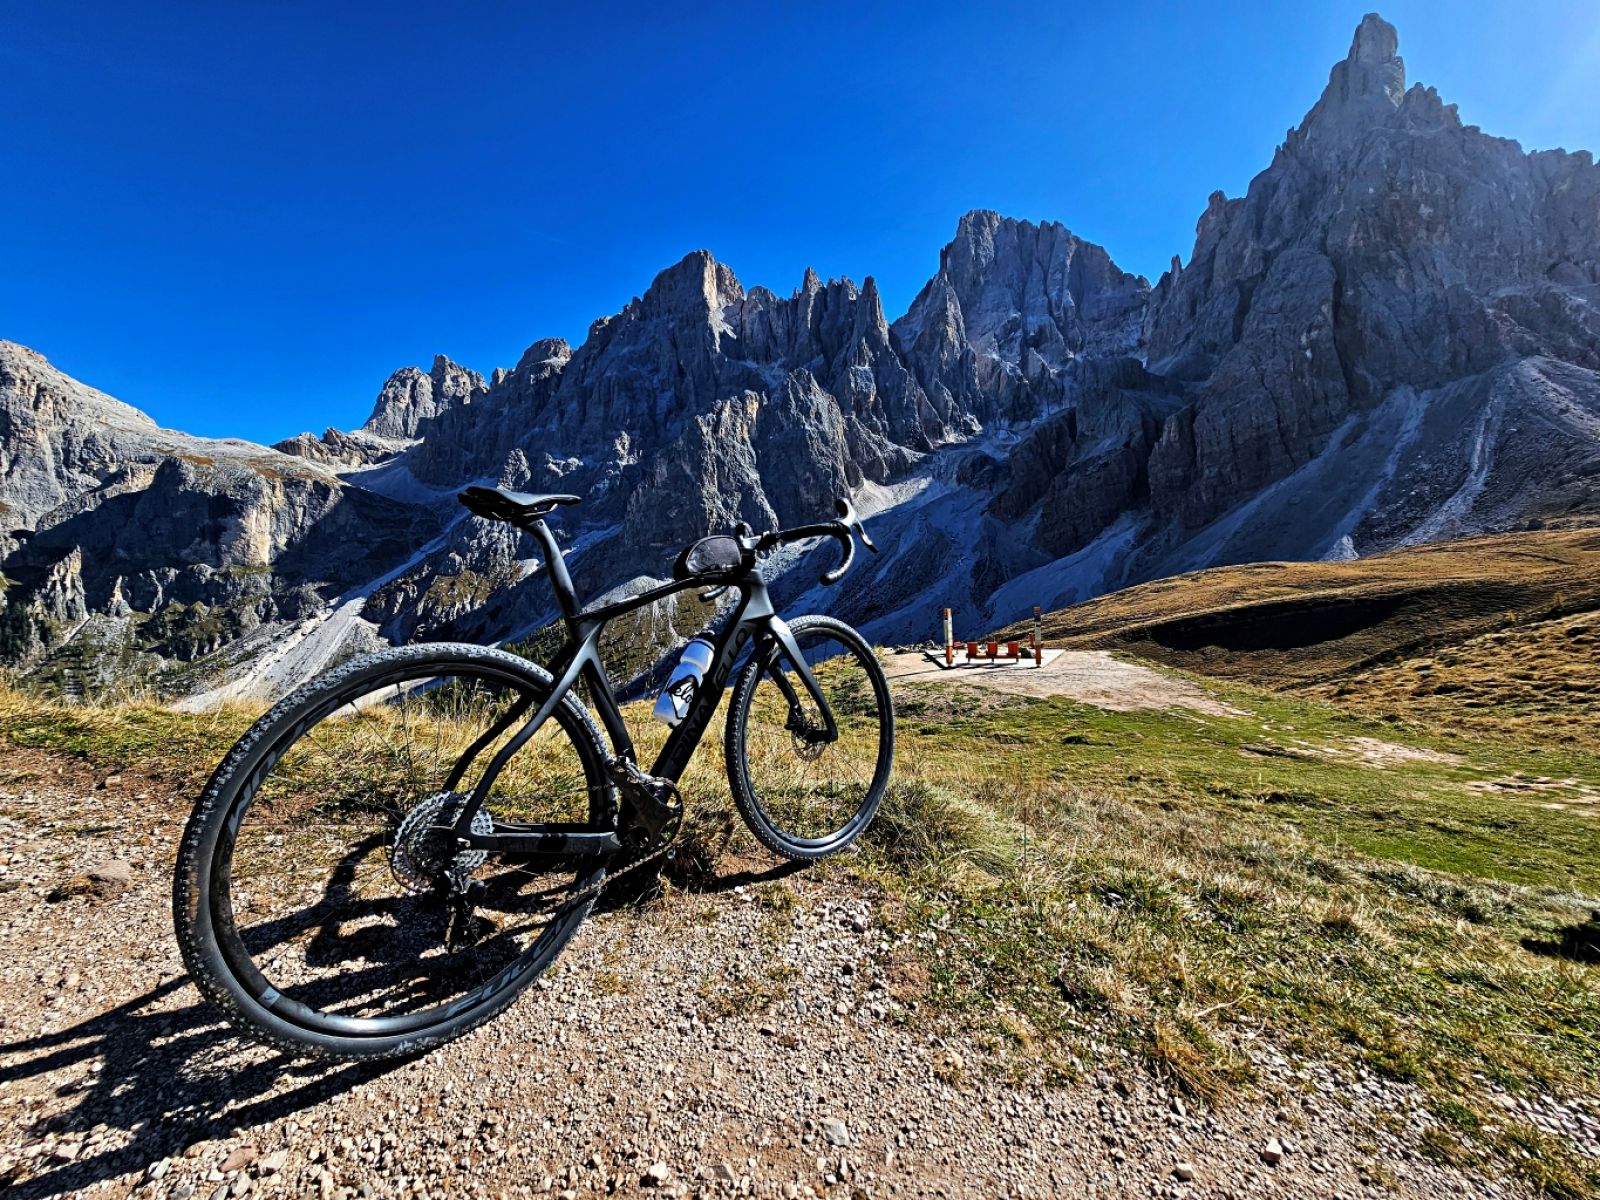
701,403
475,441
410,402
1391,337
123,519
1388,247
58,438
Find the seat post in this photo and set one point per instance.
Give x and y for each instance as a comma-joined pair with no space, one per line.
556,565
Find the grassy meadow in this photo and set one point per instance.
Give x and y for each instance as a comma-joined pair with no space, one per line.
1356,871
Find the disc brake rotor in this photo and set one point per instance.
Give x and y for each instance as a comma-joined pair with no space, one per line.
810,740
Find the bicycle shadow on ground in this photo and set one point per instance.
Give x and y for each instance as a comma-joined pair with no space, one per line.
691,878
744,877
169,1077
172,1077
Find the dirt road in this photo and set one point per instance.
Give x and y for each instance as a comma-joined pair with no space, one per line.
769,1036
1091,676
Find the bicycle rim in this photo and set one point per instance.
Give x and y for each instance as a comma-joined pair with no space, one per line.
329,884
811,794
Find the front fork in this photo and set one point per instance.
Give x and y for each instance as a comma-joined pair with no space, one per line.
783,639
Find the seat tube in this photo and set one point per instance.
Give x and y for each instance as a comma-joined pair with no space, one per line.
556,565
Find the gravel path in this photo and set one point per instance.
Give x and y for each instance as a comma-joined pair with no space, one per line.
766,1038
1091,676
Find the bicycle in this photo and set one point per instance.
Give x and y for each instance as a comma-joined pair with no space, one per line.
389,856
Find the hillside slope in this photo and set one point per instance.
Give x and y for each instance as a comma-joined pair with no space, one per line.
1430,632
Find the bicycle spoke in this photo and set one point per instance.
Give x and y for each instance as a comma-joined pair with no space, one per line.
405,725
339,881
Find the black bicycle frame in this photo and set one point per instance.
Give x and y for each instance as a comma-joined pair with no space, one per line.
754,622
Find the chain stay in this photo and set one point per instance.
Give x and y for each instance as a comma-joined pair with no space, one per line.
661,795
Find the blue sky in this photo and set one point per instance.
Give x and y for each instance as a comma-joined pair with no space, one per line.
242,217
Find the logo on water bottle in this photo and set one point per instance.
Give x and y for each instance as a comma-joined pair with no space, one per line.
682,693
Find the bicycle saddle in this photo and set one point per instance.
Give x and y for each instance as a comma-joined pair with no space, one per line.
502,504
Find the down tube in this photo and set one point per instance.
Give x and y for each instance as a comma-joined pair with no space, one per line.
674,757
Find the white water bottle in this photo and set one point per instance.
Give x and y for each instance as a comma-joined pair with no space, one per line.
673,705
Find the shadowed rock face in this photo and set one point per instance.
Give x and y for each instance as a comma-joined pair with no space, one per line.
1387,247
1393,336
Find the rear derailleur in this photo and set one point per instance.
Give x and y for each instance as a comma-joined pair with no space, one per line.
427,858
463,926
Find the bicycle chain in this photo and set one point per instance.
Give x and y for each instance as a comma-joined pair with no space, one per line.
594,889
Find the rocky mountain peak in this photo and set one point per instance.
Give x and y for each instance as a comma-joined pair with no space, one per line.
1390,261
410,398
872,305
1371,81
57,397
1375,42
1012,305
695,287
452,380
1020,283
545,352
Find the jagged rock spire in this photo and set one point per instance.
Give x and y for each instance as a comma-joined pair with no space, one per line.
410,398
1370,81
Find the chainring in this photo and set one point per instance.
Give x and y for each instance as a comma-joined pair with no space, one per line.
424,852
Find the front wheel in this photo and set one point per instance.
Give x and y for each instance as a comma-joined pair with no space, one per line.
804,795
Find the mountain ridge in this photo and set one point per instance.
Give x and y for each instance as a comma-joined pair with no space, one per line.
1390,337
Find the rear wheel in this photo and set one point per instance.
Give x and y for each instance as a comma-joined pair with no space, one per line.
313,896
804,796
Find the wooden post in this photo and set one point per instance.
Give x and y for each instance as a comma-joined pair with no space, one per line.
949,642
1038,650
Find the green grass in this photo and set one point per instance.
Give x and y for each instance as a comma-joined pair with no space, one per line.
1186,880
1172,883
179,747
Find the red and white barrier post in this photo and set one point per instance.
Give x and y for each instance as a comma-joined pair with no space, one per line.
1038,657
949,641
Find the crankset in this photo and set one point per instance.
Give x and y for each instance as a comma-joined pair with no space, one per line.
656,802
